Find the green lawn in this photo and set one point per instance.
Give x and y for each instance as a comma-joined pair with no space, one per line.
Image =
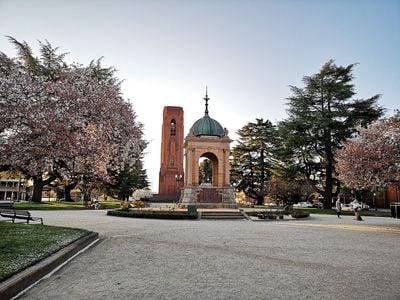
62,205
22,245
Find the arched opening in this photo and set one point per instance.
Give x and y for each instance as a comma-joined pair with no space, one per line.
173,127
208,169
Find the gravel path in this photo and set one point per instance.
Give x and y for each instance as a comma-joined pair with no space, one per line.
318,258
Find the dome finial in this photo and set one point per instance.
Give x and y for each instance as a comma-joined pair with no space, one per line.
206,99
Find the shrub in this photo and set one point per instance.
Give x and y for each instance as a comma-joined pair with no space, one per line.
298,215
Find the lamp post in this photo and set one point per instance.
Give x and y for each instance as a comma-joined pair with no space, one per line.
178,179
373,198
19,187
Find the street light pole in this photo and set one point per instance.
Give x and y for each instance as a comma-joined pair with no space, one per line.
178,178
19,188
373,198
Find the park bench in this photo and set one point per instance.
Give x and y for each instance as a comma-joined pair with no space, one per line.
19,214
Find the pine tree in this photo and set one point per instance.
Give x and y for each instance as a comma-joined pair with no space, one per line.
252,159
321,115
127,180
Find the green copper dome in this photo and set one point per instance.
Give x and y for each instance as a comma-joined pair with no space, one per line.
207,126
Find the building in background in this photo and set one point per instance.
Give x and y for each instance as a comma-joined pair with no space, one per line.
12,189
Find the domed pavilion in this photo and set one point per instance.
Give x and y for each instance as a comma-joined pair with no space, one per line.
210,187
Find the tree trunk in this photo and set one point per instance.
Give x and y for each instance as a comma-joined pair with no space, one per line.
37,189
261,194
86,197
329,174
67,191
60,193
121,196
87,193
260,200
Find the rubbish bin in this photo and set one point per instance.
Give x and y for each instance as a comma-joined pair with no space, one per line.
395,210
192,210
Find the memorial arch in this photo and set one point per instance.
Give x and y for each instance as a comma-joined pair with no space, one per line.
207,138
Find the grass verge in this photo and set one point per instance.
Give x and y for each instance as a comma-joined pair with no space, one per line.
62,205
23,245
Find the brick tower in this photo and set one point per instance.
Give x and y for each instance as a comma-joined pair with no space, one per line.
171,174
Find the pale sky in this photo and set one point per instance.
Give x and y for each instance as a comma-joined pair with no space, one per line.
247,52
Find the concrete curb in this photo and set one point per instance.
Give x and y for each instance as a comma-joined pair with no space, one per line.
19,282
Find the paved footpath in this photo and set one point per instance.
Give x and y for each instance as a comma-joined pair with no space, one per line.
321,257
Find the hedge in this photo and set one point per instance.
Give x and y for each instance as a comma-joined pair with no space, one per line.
298,215
177,215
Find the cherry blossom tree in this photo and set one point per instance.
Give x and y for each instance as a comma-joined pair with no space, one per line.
371,159
64,121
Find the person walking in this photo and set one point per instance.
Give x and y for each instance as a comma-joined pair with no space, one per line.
338,207
356,209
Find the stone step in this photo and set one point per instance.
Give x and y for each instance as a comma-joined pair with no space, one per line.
222,218
222,215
